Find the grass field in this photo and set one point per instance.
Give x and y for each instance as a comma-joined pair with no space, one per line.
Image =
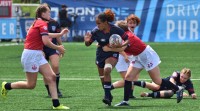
81,86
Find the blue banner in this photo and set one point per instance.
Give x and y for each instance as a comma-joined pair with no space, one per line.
25,24
8,28
161,20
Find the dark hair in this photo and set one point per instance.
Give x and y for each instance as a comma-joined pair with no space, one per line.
41,9
134,18
108,15
63,6
122,24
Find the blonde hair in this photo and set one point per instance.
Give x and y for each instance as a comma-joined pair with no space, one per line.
122,24
186,71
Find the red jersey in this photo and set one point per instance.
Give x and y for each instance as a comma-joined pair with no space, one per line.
135,46
34,37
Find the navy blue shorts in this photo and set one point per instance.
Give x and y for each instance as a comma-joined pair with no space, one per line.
101,56
48,52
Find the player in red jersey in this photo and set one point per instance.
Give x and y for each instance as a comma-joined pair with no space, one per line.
146,58
33,60
125,58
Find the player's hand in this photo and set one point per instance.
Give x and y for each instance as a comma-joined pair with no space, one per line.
87,37
126,59
116,45
61,49
194,96
64,31
106,48
61,55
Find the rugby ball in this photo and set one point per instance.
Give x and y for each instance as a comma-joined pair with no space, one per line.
115,39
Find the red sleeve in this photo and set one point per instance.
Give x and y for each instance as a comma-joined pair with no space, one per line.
43,28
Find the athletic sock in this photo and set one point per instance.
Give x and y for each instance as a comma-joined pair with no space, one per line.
140,83
107,88
47,87
56,102
112,87
127,89
131,93
168,84
57,81
154,95
8,86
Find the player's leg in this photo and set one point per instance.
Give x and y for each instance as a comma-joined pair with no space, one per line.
155,76
150,85
101,75
50,78
131,73
158,94
55,59
30,83
109,65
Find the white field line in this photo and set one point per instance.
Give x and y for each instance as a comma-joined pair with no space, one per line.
76,79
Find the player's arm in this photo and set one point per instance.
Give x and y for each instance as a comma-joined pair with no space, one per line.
48,43
87,39
125,56
107,49
57,35
174,75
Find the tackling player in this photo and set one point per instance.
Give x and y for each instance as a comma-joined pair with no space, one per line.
146,58
125,58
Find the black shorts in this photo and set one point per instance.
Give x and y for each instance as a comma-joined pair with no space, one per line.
48,52
101,56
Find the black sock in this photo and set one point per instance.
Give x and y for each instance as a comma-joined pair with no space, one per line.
47,87
57,81
107,88
127,89
112,87
154,95
56,102
8,86
168,84
131,93
140,83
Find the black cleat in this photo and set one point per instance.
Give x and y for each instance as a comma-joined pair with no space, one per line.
107,101
60,94
179,94
123,103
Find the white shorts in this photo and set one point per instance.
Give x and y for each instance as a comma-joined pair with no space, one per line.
122,65
148,59
31,60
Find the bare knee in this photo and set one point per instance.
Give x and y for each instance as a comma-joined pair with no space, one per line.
50,78
31,85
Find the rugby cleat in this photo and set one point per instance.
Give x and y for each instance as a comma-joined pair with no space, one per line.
179,94
61,107
108,100
4,91
123,103
59,94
